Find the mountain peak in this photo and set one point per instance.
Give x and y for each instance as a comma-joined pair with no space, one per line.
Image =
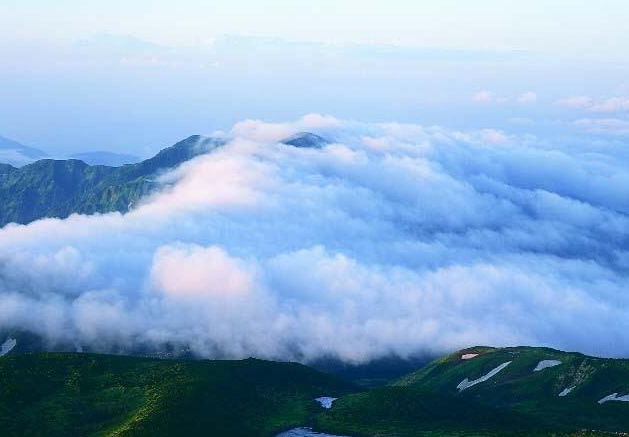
305,140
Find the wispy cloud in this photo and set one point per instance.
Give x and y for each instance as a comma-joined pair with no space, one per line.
609,126
527,97
487,97
577,102
614,104
493,136
609,105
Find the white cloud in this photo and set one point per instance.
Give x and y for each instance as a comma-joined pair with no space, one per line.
488,97
614,104
609,105
257,130
483,97
578,102
493,136
610,126
395,239
527,97
198,272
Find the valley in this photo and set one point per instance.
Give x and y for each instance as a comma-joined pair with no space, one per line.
104,395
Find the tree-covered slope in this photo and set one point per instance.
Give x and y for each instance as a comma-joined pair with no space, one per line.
98,395
58,188
77,395
469,394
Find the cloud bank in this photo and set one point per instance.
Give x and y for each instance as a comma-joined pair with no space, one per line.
392,239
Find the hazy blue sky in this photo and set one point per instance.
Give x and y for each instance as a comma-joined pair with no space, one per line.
136,76
567,25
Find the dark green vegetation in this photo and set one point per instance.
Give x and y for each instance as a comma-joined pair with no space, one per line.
516,401
373,374
58,188
98,395
77,395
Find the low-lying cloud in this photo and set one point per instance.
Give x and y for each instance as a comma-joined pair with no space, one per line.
392,239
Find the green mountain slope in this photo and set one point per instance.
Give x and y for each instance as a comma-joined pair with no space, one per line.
451,396
106,396
96,395
58,188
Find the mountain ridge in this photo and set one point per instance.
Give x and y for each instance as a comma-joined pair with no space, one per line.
58,188
539,389
53,188
57,395
135,396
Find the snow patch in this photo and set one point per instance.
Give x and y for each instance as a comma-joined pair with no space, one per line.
566,391
466,383
614,397
326,402
7,346
545,364
468,356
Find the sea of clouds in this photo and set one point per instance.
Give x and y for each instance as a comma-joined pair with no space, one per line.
393,239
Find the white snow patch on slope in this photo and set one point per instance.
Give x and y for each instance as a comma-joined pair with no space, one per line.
614,397
468,356
545,364
326,402
566,391
7,346
466,383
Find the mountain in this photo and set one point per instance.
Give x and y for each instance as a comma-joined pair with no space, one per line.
477,392
305,140
58,188
58,395
493,391
106,158
16,154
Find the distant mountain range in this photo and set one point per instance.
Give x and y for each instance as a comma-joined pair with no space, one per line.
477,392
58,188
16,154
106,158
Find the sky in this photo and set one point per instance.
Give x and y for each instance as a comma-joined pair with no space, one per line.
472,190
561,25
136,77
